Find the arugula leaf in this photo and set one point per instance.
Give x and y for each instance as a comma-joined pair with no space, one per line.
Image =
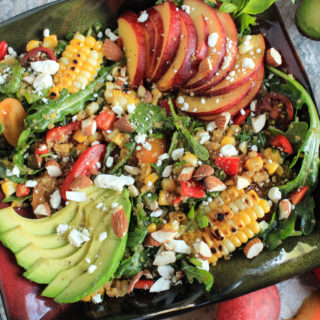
1,128
147,116
3,173
15,198
131,146
199,150
13,81
257,6
228,7
202,276
109,150
308,173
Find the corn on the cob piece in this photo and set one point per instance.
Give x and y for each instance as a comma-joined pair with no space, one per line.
79,64
233,221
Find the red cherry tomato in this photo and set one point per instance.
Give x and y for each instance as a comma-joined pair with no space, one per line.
280,141
3,49
105,120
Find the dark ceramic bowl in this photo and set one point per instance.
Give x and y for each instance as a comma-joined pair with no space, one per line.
232,278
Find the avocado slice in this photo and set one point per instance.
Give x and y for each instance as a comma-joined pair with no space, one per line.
308,18
28,255
109,252
45,269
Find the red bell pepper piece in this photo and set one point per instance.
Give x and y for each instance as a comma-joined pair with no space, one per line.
105,120
317,273
37,54
83,166
58,134
229,165
144,284
192,189
298,195
3,49
280,141
22,190
239,119
42,149
177,200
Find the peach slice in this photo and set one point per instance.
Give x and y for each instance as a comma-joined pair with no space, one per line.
258,79
153,30
216,42
230,55
132,34
200,106
171,38
183,66
202,35
247,62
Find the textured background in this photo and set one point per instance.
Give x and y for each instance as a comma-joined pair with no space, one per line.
292,291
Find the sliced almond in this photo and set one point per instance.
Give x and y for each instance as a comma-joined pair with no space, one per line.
186,174
253,248
242,182
148,97
112,51
123,125
203,171
273,57
284,209
119,221
88,127
80,183
163,235
222,120
151,242
53,168
202,249
259,122
42,210
164,257
213,184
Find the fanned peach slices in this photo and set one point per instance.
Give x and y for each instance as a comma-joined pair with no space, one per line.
193,49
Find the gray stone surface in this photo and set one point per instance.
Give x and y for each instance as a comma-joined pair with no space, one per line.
308,51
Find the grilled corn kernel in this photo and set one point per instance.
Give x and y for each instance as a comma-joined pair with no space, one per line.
8,187
191,160
152,227
271,167
165,198
90,41
273,154
50,42
151,178
79,137
228,140
32,44
233,130
168,184
254,164
81,147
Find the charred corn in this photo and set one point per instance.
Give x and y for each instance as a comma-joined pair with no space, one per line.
233,221
79,65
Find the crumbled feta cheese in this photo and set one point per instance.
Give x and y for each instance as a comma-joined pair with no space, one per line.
76,238
204,264
46,32
118,110
77,196
274,194
42,81
211,126
178,246
100,35
45,66
177,154
12,52
254,148
161,284
131,108
143,16
212,39
202,248
248,63
203,100
132,170
253,105
167,171
147,146
55,199
92,268
259,122
166,272
228,150
140,138
109,162
111,35
62,228
88,260
204,137
186,8
156,213
242,112
109,181
28,79
97,298
185,106
103,236
31,183
180,100
99,205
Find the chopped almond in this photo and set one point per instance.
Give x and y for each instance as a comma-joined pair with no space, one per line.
273,57
253,248
222,120
80,183
242,182
213,184
119,222
112,51
284,209
53,169
203,171
186,174
88,127
123,125
42,210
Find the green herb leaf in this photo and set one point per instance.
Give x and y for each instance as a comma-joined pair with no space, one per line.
15,198
1,128
228,7
131,146
109,150
257,6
